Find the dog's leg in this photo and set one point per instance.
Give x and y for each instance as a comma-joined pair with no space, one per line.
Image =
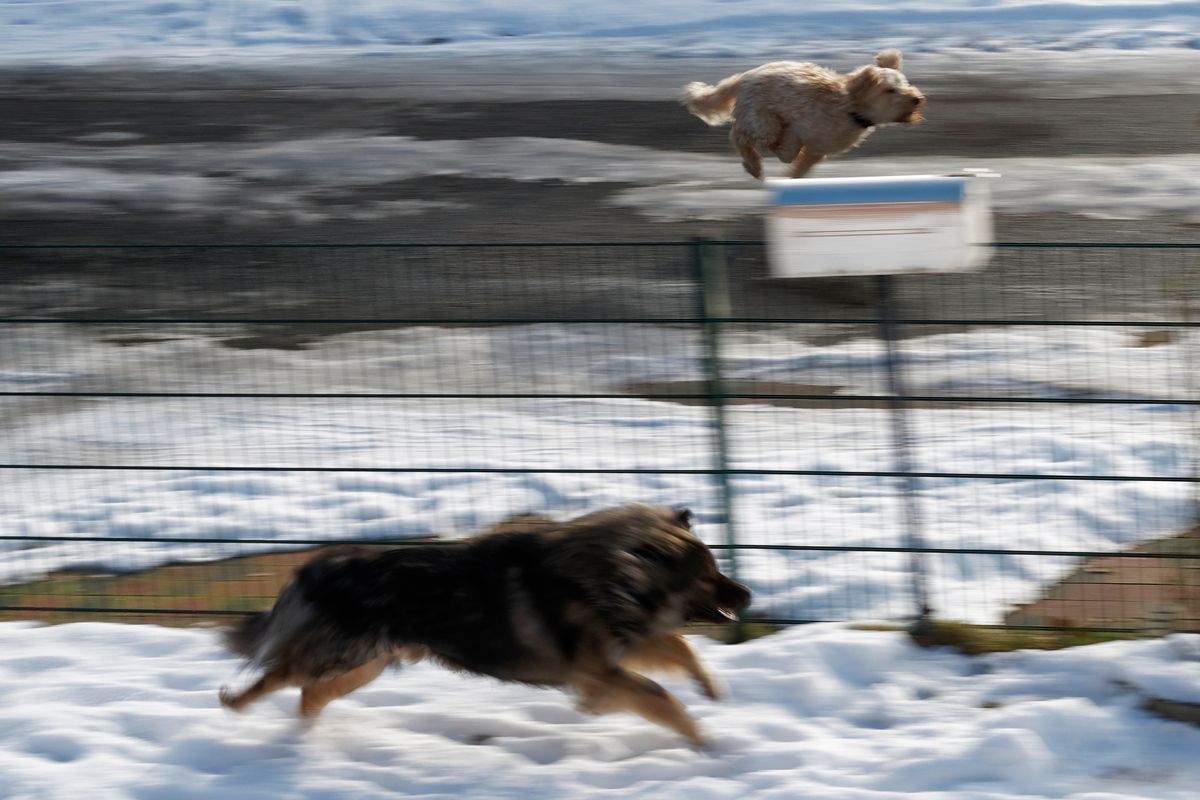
804,162
617,689
318,694
746,146
787,148
272,681
671,653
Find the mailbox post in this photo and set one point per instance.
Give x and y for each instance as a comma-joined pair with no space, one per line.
883,227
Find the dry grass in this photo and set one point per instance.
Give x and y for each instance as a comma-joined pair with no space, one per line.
210,589
976,640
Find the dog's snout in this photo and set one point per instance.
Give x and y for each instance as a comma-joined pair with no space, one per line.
917,100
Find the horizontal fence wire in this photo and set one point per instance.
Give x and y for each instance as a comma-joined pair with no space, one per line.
845,473
184,424
713,546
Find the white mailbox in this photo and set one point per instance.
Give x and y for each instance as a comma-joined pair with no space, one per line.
877,226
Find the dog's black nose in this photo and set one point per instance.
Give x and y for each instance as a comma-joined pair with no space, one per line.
917,100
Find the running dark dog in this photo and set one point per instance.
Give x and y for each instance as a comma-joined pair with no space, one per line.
584,605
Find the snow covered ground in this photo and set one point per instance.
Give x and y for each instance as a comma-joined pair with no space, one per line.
115,712
360,439
83,30
255,182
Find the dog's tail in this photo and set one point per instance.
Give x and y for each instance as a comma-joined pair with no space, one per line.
260,637
713,104
246,638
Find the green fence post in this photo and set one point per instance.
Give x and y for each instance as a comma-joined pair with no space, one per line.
714,308
902,449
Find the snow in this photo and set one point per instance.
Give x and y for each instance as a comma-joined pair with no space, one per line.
397,468
280,180
1116,187
82,31
118,711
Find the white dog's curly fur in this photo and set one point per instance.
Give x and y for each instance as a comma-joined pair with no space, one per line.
802,112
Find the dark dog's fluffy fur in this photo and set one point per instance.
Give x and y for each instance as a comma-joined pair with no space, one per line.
578,605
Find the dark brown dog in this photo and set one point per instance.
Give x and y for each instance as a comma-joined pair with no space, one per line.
584,605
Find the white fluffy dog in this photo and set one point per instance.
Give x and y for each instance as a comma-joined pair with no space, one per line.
802,112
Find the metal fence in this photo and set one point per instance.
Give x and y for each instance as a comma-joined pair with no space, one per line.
182,425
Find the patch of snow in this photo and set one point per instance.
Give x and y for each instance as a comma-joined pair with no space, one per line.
126,711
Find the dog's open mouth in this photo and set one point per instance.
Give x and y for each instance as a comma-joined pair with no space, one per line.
713,614
723,605
728,614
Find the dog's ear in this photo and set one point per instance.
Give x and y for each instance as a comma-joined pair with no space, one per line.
861,80
683,518
890,59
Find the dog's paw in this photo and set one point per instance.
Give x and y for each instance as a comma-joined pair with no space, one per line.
229,699
587,706
710,686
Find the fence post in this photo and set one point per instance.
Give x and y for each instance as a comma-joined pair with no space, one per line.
709,258
902,447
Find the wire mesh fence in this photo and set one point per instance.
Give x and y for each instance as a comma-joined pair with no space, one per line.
183,425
